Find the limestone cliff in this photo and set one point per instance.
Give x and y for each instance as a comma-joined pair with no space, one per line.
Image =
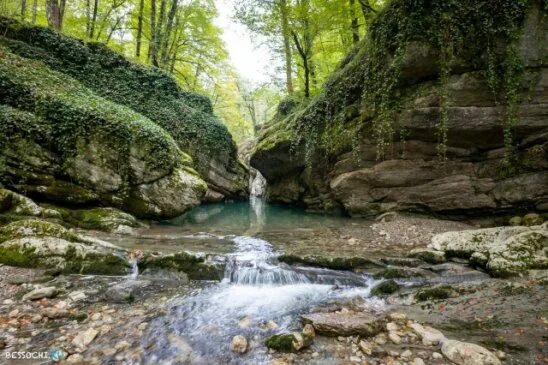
439,125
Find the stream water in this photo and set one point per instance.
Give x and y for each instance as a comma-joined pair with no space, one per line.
256,288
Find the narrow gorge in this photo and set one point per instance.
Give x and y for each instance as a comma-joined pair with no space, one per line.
390,208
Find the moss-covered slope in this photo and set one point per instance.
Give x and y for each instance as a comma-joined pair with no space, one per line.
442,107
186,116
61,141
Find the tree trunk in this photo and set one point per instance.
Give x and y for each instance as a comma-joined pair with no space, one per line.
159,34
354,26
306,66
88,16
23,9
169,28
93,19
139,37
62,6
53,13
287,46
367,10
34,10
152,44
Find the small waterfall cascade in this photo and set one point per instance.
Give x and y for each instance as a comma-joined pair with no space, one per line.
134,269
257,183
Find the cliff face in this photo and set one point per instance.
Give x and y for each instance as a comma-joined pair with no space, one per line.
187,117
436,141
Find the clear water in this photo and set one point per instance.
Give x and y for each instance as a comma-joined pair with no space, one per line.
256,288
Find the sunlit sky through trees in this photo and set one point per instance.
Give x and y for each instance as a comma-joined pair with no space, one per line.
253,60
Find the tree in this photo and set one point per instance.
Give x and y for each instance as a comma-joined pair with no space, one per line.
354,26
139,37
55,10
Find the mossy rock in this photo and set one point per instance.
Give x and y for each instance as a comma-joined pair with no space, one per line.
195,267
288,342
435,293
431,256
385,288
334,263
42,244
103,219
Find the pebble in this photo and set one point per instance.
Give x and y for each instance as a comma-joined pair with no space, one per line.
394,338
40,293
239,344
437,356
309,331
83,339
406,355
391,327
13,313
96,316
418,361
76,296
396,316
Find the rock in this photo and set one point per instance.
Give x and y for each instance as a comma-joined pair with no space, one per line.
42,244
125,291
437,356
239,344
418,361
430,256
463,353
308,330
391,327
77,296
532,219
508,250
366,347
397,316
501,355
515,221
75,359
122,345
54,313
344,324
288,342
429,335
40,293
406,355
194,266
103,219
385,288
245,322
12,202
392,336
83,339
271,325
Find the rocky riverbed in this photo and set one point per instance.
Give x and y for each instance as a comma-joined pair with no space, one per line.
328,290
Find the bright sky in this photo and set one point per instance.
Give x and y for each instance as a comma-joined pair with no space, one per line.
254,62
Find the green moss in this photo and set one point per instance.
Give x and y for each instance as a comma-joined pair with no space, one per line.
105,219
481,34
282,342
385,288
79,317
35,228
15,257
193,266
188,117
436,293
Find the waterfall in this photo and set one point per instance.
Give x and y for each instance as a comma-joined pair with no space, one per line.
134,269
257,183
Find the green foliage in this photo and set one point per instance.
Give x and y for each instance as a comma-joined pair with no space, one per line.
470,31
59,112
186,116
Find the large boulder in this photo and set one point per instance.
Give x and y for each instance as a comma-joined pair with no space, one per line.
186,116
66,144
343,323
463,353
501,250
41,244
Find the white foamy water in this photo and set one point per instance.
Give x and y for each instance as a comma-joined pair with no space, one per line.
256,289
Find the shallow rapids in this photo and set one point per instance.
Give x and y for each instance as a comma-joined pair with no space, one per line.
256,289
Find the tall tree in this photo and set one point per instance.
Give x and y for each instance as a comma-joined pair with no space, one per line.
286,34
34,11
23,9
139,37
55,10
354,25
93,21
153,34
